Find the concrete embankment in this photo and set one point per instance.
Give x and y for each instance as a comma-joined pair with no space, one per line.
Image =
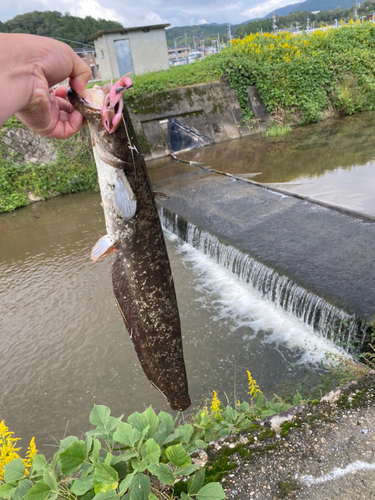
319,262
211,108
320,451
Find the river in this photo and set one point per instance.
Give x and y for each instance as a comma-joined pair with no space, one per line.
332,161
64,346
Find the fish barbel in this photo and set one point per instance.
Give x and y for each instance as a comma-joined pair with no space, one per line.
141,274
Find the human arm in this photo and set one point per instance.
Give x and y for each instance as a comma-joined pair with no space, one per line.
31,66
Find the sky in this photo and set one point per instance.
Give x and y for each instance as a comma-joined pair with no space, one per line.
146,12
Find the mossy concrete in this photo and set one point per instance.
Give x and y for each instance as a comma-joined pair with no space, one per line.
211,108
323,450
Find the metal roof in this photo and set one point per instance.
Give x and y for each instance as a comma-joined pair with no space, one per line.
124,31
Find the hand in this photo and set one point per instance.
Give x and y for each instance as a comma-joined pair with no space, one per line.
34,65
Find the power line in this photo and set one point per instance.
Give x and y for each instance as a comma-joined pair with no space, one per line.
74,41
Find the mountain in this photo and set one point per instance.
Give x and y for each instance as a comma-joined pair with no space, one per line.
204,32
312,6
57,25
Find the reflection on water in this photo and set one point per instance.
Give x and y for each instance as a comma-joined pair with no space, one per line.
332,161
64,346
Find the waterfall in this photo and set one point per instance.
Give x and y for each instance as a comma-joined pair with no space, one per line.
323,318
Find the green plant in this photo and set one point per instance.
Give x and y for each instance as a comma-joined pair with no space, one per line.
68,174
129,460
277,130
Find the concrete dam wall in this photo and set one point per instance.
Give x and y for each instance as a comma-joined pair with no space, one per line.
211,108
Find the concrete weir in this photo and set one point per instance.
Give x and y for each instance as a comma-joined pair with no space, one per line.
313,261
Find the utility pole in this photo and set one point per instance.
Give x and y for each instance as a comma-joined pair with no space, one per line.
274,25
229,34
356,9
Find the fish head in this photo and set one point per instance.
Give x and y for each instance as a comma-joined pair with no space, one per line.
105,101
90,107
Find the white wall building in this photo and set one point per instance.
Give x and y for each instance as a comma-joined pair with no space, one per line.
138,50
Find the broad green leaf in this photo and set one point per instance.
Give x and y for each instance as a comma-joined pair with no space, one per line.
231,412
112,423
163,472
152,497
89,495
88,444
40,491
165,428
259,401
108,459
14,470
140,487
125,434
22,488
102,488
106,495
244,406
186,471
184,496
141,420
139,465
39,462
73,457
212,491
64,443
7,490
196,482
186,431
105,474
178,456
125,484
94,454
152,420
82,485
199,443
50,479
151,451
174,438
124,457
99,415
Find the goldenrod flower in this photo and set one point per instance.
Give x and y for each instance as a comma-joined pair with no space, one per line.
8,450
215,405
254,390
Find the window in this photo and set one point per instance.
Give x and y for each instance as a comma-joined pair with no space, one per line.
90,56
102,54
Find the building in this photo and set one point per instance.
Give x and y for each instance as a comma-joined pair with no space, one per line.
88,55
137,50
178,52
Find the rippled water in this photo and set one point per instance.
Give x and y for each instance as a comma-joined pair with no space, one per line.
332,161
63,344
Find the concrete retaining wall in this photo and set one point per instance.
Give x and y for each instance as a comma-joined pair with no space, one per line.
212,109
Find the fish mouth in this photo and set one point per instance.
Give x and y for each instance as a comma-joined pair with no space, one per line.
86,108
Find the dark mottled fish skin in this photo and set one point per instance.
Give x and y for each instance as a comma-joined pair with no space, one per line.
141,273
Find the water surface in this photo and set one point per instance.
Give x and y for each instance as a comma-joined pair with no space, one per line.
64,347
332,161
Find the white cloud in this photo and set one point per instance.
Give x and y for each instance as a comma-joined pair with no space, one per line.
92,8
143,12
265,8
153,18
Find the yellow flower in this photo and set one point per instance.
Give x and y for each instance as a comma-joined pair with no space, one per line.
215,405
254,390
8,450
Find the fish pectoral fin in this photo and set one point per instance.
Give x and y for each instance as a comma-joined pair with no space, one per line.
124,198
108,158
102,248
158,195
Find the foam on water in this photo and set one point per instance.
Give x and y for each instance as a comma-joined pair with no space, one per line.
244,305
